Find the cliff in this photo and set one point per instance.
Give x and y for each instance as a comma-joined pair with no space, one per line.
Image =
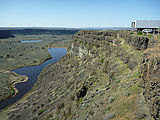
150,74
101,78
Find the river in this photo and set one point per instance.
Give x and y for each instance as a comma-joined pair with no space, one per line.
32,72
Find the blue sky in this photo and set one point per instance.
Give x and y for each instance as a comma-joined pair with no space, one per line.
76,13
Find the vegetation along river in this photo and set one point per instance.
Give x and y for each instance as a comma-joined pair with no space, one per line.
32,72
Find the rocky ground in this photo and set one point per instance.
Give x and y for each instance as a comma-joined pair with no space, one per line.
150,74
105,75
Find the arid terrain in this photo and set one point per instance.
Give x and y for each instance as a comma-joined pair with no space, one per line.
105,75
15,54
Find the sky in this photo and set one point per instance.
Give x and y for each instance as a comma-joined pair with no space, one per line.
76,13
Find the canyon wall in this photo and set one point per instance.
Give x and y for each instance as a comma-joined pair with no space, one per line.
105,75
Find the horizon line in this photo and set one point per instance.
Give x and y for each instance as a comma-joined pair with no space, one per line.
61,27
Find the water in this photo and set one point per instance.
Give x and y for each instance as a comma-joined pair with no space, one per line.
32,72
30,41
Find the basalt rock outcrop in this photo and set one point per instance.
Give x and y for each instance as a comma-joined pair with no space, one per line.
150,74
101,78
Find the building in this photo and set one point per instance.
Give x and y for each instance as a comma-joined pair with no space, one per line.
140,25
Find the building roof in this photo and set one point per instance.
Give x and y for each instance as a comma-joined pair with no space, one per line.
147,24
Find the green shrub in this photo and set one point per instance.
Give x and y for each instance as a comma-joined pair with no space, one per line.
139,33
41,111
80,99
118,81
102,60
149,36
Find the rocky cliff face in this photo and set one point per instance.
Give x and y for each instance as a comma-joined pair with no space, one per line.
150,74
97,80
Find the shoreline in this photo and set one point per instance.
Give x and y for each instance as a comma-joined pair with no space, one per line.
26,77
10,71
20,66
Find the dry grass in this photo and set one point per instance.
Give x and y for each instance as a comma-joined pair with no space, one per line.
155,51
125,108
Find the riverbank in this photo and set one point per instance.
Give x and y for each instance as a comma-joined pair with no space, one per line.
19,78
32,72
12,79
24,79
15,55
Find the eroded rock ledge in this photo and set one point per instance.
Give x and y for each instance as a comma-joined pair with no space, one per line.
97,79
150,74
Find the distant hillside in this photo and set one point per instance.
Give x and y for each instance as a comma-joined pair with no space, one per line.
42,31
108,28
5,34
